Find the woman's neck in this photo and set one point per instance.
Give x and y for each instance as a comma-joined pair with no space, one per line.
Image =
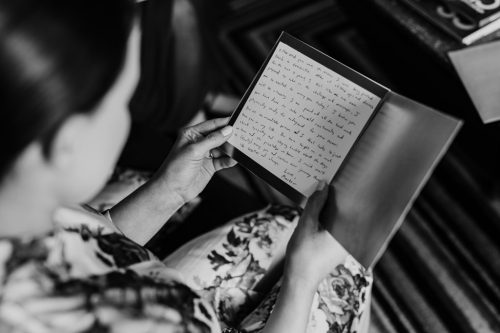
26,209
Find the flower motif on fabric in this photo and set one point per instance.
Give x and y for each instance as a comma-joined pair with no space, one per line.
337,307
340,297
241,261
113,249
42,292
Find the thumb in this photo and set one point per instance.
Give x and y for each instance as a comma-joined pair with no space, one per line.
317,201
213,140
330,208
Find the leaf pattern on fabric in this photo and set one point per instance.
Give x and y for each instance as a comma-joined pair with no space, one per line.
141,297
111,286
242,260
341,296
338,304
116,284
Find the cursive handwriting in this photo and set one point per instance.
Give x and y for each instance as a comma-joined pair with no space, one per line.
301,119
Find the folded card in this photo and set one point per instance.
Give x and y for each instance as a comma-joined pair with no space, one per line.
308,118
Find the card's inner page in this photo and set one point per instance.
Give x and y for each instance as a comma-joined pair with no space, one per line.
301,119
382,177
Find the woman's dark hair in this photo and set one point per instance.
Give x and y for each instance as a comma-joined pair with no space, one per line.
57,58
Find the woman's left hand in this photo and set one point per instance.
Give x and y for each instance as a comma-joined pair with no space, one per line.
312,252
195,158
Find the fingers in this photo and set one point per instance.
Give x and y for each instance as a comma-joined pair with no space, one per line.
223,163
210,125
216,153
197,132
212,141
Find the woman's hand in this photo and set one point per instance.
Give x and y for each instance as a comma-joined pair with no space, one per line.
195,158
311,255
312,252
184,174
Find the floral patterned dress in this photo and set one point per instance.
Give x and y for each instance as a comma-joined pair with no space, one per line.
87,277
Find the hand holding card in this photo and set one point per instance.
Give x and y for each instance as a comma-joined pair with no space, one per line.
307,118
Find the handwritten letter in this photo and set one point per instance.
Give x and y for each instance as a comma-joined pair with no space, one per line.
301,119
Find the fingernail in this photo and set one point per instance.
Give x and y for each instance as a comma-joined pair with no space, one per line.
227,130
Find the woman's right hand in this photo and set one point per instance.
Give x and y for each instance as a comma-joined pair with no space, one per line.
312,252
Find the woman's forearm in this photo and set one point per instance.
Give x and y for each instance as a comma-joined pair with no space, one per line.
140,215
293,306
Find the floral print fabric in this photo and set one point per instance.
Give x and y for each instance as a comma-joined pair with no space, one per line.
90,279
339,305
86,277
227,265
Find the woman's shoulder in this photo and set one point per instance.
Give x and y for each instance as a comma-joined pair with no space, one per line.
96,278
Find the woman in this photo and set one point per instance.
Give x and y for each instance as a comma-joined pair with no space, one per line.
67,69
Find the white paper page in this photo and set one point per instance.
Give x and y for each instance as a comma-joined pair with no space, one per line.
479,69
384,174
301,119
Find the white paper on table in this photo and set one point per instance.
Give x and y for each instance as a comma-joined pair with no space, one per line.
479,69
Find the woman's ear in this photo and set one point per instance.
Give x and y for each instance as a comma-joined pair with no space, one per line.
64,147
